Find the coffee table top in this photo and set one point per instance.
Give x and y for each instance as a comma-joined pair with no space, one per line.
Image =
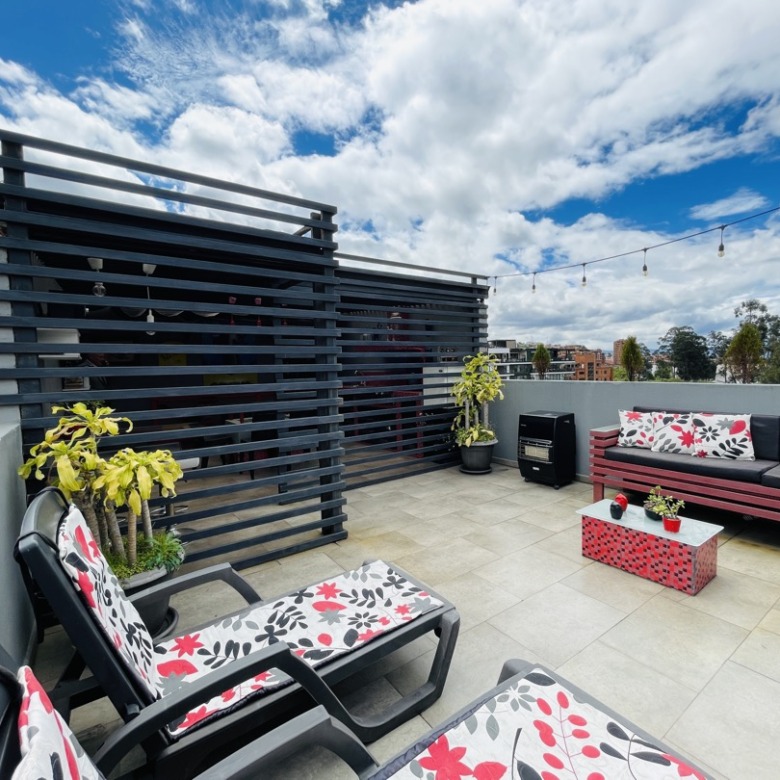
692,532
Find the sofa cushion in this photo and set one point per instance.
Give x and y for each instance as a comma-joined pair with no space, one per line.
771,478
673,433
636,429
723,436
739,470
764,428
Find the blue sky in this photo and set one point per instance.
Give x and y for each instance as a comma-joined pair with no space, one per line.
502,138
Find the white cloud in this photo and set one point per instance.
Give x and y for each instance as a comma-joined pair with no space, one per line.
744,200
480,112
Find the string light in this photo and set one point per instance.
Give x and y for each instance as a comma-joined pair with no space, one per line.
533,284
644,250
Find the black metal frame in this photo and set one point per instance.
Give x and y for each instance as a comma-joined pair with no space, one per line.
257,363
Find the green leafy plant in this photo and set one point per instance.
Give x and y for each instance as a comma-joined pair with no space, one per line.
479,384
665,506
68,458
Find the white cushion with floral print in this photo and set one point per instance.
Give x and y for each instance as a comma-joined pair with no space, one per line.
49,749
319,623
723,436
537,728
673,433
113,611
636,429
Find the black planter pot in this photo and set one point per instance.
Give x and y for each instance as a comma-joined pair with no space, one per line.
476,458
650,515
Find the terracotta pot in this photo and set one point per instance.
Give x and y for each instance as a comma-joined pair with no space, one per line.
672,524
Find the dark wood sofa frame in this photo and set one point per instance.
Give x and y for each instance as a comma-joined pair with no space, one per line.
746,487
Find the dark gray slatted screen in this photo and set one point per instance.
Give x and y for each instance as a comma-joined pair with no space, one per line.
403,339
215,306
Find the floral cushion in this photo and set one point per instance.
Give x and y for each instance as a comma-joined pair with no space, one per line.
113,611
536,728
49,749
673,433
636,429
319,623
723,436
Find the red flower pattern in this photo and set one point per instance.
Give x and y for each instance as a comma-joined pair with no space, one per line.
186,645
445,761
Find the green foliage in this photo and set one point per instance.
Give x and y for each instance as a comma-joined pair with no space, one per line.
666,506
632,359
744,356
541,360
687,351
166,550
479,384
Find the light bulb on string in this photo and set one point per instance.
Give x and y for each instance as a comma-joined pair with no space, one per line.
721,247
644,263
584,278
533,284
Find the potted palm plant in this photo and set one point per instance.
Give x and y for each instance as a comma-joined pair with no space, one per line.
68,458
479,385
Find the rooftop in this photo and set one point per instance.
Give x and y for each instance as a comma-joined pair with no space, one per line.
700,672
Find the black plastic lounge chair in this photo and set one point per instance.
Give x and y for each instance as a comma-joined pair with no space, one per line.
339,626
534,724
40,744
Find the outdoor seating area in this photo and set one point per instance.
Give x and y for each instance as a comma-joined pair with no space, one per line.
697,672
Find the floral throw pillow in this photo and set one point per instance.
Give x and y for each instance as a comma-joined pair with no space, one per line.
673,433
723,436
49,749
636,429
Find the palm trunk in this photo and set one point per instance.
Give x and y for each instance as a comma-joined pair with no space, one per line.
115,534
132,537
147,518
84,503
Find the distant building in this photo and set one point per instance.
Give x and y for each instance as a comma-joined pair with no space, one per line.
515,360
592,366
617,352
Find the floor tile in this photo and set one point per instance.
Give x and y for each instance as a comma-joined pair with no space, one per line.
557,623
733,724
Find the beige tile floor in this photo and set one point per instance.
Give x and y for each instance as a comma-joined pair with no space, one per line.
700,672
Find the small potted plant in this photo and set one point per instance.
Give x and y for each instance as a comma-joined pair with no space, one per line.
660,507
68,458
479,384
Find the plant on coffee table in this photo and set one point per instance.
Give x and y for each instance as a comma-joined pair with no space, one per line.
663,506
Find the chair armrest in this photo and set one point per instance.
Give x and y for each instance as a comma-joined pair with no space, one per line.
220,571
314,727
157,715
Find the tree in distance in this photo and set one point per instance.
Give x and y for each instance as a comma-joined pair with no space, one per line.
541,360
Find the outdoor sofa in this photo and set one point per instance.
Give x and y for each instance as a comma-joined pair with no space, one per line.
721,460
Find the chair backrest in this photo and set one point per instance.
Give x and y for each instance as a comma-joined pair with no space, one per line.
48,748
38,553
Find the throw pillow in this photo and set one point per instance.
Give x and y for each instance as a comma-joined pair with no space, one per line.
673,433
723,436
636,429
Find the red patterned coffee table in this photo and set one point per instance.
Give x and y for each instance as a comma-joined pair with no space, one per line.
687,560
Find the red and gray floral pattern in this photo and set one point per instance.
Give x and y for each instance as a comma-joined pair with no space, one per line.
49,749
673,433
723,436
636,429
320,622
535,729
113,611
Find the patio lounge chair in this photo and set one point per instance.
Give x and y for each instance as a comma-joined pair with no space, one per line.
534,724
339,626
38,744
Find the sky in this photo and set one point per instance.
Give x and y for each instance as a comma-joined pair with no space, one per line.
500,137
